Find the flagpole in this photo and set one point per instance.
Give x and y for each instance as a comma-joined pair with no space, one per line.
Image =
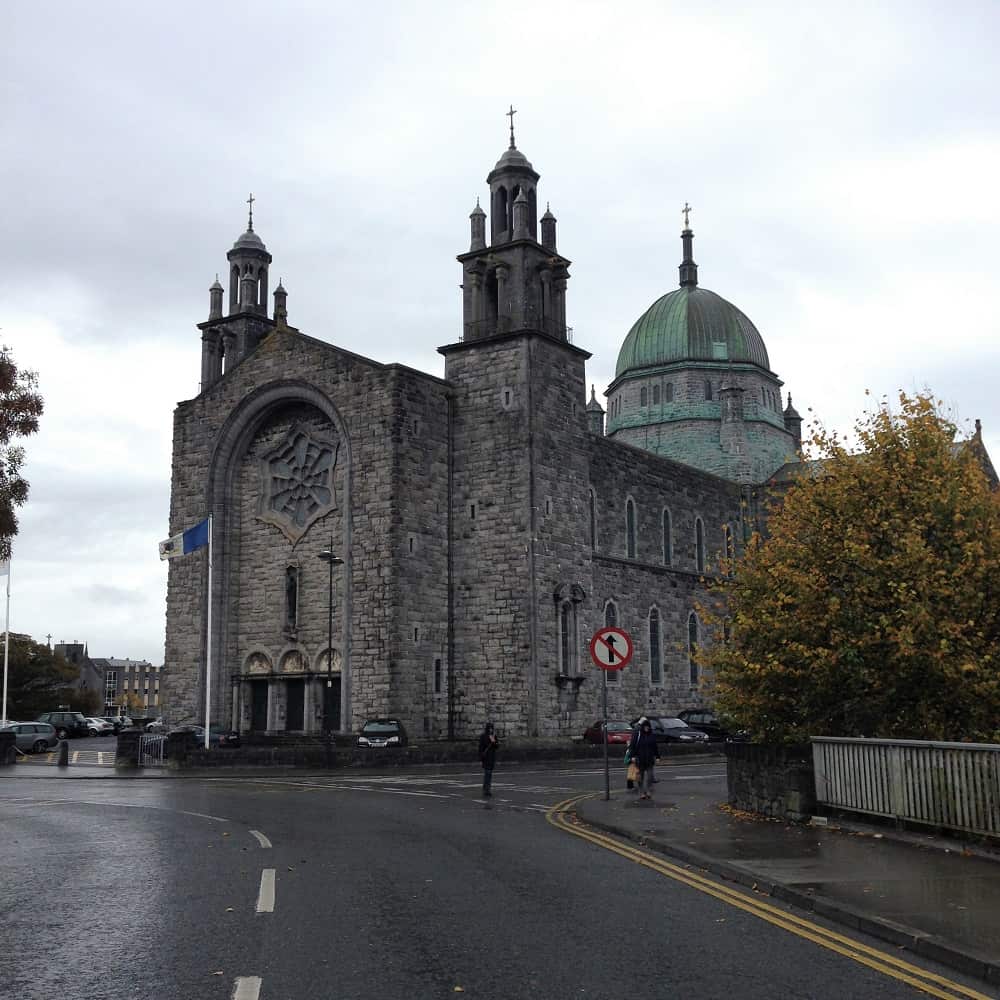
6,646
208,657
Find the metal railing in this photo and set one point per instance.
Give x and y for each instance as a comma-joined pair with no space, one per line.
952,786
152,750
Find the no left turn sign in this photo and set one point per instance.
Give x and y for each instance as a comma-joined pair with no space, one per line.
611,648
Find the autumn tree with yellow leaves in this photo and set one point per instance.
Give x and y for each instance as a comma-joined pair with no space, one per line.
872,607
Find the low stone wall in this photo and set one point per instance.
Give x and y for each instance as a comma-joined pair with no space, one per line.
285,753
775,781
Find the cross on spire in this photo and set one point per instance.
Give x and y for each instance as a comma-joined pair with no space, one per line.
510,114
250,202
686,210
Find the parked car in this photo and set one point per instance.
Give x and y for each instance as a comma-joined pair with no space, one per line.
669,729
219,736
619,731
377,733
66,724
33,737
707,722
156,726
99,727
119,722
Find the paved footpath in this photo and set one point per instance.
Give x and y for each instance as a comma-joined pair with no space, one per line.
932,895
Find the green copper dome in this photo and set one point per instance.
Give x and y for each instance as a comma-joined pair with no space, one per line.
691,324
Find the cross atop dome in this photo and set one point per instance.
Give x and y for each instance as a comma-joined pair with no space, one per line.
510,114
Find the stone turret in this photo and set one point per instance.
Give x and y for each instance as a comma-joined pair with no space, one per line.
478,227
549,230
793,424
595,415
280,305
215,294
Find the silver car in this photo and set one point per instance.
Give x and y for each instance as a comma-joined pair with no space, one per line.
33,737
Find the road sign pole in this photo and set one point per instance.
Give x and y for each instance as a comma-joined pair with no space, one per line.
607,766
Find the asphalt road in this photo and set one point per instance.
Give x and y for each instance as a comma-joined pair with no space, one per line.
368,885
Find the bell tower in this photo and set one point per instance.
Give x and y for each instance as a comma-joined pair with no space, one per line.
226,339
514,283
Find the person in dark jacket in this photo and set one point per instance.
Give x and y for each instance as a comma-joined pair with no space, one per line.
488,755
645,753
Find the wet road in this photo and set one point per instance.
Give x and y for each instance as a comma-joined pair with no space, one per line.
368,885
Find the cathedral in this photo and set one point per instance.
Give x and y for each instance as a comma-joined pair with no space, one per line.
441,549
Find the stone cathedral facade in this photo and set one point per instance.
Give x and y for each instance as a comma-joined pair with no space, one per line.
488,520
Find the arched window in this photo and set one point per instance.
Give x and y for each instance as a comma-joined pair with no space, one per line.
291,597
708,388
630,528
500,208
611,621
593,520
655,659
669,392
668,539
656,395
699,545
642,396
610,615
693,647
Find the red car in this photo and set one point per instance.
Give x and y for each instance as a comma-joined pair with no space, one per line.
618,732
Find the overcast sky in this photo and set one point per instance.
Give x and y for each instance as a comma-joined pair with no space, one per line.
843,166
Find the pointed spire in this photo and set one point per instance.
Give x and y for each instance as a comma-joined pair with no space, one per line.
688,268
594,405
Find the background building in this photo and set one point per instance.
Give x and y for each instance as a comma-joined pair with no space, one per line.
137,678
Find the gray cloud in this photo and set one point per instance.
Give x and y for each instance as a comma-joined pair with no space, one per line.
842,167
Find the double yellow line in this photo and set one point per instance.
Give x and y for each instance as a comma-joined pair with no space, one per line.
562,817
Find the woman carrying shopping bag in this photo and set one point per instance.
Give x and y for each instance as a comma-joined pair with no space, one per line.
644,753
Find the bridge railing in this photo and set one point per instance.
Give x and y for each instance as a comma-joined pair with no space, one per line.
952,786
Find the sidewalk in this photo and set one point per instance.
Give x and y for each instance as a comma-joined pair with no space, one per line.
933,895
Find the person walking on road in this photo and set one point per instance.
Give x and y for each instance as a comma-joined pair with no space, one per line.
645,753
488,755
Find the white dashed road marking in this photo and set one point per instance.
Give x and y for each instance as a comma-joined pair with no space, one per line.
265,897
261,839
246,988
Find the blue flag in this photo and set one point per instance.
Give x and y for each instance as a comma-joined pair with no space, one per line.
186,542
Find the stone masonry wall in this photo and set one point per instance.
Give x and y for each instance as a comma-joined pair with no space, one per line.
418,432
289,367
637,585
493,666
560,450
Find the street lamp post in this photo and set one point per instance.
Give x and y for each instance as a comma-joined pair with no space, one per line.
331,560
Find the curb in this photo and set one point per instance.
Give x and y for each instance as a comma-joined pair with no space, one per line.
930,946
